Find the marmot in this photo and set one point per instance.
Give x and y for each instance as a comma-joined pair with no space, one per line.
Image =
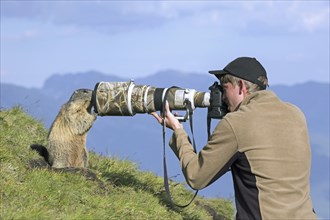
66,145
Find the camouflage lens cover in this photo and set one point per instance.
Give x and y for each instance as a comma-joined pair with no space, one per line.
111,98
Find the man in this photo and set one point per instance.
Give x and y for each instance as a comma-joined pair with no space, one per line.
262,140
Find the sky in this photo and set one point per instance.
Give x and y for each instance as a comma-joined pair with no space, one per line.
134,39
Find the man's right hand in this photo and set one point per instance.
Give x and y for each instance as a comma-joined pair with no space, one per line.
170,120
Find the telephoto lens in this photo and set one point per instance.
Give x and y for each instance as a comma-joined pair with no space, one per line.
127,99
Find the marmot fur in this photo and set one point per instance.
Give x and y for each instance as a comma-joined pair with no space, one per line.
66,145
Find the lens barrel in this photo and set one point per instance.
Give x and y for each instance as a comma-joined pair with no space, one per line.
127,99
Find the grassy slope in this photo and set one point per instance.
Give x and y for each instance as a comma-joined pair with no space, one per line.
122,191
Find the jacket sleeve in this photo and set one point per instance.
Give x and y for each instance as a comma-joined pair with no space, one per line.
212,161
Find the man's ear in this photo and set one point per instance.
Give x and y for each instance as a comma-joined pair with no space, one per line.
242,87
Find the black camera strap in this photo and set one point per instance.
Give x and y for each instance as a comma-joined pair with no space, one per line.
166,179
208,127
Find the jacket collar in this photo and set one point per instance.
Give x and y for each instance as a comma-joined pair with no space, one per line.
254,95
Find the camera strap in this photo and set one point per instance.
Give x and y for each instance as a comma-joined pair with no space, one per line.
166,179
208,127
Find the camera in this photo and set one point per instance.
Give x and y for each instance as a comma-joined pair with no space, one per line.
128,99
217,109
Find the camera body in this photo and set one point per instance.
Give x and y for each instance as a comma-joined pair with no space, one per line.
217,109
128,99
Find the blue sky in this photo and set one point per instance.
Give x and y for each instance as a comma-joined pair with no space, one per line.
139,38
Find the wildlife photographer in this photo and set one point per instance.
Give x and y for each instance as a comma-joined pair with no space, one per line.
263,141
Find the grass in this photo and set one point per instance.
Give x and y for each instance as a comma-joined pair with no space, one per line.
120,191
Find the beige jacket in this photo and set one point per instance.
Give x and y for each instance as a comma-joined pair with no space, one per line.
265,144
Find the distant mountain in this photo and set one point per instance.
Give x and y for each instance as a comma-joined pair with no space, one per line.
139,138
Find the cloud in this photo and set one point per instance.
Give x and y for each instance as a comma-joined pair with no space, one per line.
317,20
105,16
24,35
115,16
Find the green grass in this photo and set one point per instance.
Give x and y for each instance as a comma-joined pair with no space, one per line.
121,190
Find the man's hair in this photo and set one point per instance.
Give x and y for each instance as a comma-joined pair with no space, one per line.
251,87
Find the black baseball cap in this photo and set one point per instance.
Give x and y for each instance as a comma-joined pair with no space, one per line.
246,68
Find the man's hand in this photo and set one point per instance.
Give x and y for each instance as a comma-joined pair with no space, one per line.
171,121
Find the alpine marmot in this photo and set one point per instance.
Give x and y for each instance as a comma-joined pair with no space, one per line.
66,145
